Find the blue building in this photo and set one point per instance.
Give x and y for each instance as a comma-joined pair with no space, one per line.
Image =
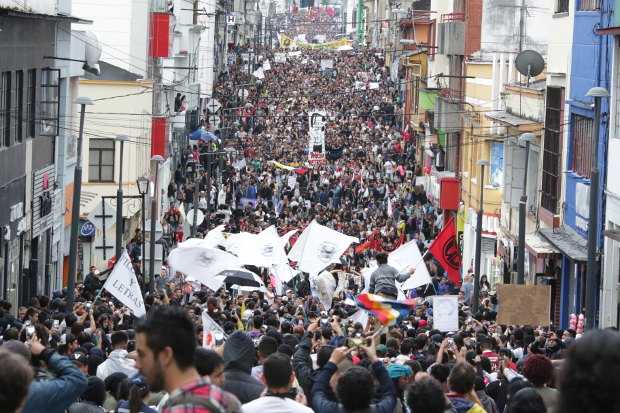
591,65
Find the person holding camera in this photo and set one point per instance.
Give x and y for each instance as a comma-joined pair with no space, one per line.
57,383
281,396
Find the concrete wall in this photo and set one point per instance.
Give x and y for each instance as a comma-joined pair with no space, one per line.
118,31
137,152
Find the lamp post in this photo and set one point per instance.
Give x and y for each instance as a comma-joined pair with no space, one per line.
196,198
482,163
119,200
593,274
75,208
143,187
526,138
158,159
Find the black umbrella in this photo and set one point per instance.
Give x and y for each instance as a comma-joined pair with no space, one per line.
240,278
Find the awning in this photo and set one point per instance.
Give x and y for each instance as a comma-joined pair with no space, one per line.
509,119
538,245
569,243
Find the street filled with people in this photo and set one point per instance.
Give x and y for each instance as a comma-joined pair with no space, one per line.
310,282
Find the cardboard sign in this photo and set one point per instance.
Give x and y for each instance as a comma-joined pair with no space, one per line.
524,304
446,312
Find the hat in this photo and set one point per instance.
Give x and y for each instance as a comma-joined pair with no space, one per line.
422,323
399,370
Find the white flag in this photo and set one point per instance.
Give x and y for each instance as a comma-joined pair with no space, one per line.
284,272
284,239
210,330
325,286
203,264
408,255
446,312
360,316
319,246
366,273
262,250
123,284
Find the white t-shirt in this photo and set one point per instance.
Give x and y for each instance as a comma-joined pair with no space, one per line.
273,404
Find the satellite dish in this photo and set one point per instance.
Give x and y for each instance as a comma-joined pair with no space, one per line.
530,63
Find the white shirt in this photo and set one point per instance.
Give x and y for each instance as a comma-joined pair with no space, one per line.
273,404
117,362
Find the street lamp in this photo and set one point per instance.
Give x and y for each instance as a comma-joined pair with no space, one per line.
593,275
482,163
119,200
525,138
75,208
143,187
158,159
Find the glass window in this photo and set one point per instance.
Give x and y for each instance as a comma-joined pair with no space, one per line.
101,160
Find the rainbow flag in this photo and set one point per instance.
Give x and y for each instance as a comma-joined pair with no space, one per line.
387,311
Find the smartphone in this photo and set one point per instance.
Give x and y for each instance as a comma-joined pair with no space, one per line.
56,323
29,332
355,342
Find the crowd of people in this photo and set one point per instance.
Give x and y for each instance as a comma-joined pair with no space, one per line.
198,350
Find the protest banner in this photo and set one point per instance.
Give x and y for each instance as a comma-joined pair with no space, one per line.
279,57
123,285
524,304
446,312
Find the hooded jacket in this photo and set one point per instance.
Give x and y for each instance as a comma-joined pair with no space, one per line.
239,358
117,362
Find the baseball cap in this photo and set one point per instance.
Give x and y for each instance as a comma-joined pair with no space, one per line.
399,370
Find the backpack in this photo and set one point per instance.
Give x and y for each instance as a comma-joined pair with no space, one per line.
185,399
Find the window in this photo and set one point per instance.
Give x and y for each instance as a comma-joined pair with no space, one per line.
101,160
552,149
19,103
589,5
5,109
31,106
561,6
581,157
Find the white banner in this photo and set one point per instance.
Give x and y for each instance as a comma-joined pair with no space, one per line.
123,284
266,65
373,85
319,246
259,73
327,64
406,256
279,57
210,330
203,264
446,312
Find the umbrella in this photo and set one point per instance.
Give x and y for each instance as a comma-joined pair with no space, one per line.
203,135
240,278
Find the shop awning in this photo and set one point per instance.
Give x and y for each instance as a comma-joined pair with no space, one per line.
569,244
539,245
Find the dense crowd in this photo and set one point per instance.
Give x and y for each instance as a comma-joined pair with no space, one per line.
198,350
